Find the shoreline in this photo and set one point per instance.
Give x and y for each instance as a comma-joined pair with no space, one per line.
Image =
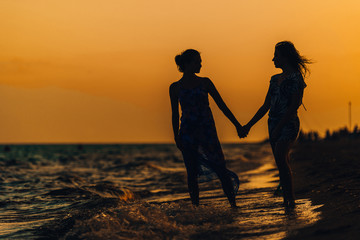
328,172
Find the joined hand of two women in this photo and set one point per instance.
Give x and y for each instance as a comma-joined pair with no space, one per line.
243,131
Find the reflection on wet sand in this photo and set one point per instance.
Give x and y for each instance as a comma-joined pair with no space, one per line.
260,214
264,213
138,192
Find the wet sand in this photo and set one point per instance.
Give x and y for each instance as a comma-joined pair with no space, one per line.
328,172
260,214
140,192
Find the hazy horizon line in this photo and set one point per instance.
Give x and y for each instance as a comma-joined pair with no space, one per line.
118,143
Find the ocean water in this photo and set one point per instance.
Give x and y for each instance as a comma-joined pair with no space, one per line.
138,192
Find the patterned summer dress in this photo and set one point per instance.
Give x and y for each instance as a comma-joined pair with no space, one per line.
280,101
198,133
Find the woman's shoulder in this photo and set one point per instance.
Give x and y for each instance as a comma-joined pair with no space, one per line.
274,77
205,80
297,79
207,84
174,86
294,83
296,76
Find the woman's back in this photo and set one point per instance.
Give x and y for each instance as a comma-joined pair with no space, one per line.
194,102
281,93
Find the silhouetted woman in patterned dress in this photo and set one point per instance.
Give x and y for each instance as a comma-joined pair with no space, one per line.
197,137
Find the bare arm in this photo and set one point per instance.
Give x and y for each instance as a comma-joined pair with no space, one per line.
221,104
260,113
174,111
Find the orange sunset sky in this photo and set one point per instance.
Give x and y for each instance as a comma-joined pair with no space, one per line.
99,71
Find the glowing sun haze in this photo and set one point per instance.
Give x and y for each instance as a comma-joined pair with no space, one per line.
99,71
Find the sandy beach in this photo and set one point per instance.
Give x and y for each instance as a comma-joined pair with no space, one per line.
328,172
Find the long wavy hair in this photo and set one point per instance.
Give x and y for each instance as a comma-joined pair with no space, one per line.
288,50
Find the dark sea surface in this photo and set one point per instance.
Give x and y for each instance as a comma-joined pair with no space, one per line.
138,192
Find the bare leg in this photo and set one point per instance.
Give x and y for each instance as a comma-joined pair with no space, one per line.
190,159
227,186
193,188
278,191
226,183
281,154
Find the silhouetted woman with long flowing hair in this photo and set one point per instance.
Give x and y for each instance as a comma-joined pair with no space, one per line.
197,137
283,99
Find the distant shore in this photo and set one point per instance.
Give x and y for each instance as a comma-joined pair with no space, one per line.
328,172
